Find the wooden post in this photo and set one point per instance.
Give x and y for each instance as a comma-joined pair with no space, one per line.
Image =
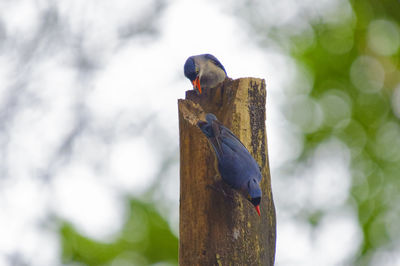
217,228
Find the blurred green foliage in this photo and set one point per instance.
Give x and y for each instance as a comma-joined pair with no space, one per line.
145,239
354,66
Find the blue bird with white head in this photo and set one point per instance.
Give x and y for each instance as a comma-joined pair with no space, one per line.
204,71
235,164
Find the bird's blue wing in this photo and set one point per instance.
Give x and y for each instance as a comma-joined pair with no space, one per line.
231,141
235,163
215,61
212,134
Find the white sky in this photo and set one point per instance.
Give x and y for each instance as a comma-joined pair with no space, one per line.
125,86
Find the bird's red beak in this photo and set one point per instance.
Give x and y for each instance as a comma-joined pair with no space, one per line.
258,209
196,84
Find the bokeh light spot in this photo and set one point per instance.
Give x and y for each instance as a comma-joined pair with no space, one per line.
367,74
355,137
387,144
383,37
305,112
336,107
396,102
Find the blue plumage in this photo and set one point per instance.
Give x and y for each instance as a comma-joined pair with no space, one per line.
189,69
215,61
235,164
204,71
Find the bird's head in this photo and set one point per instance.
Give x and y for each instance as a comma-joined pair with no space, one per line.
192,71
204,67
255,193
210,118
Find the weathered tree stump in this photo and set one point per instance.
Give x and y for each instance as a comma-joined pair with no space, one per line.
216,227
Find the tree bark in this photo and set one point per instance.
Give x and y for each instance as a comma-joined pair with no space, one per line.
217,225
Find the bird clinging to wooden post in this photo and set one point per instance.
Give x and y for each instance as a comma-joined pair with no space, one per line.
236,165
204,71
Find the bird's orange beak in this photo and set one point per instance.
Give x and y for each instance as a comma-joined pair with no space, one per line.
258,209
196,84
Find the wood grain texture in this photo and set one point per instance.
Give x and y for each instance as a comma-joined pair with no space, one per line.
217,225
